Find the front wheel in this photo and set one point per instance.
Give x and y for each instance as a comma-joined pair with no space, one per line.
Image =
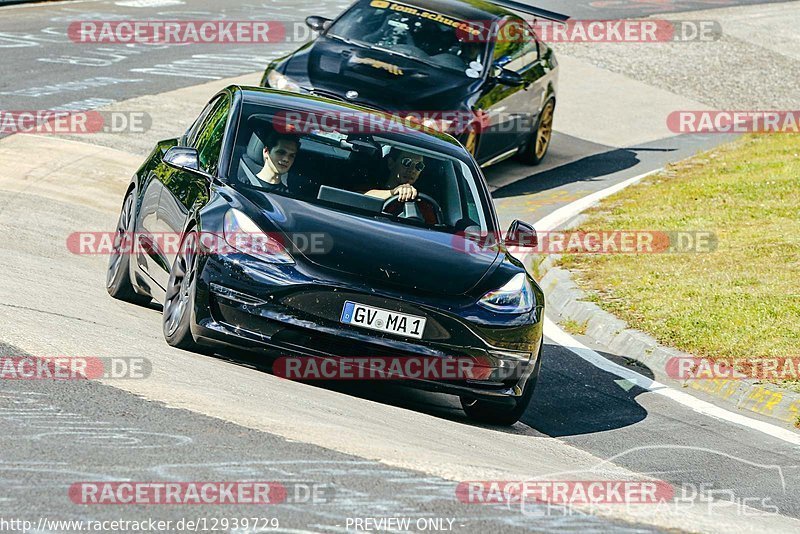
534,152
503,414
180,296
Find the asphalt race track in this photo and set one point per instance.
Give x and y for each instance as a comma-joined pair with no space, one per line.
373,450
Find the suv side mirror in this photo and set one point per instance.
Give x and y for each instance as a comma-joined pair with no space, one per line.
521,234
508,77
318,24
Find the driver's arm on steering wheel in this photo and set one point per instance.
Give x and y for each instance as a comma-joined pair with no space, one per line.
404,192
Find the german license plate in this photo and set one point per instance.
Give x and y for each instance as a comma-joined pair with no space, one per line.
383,320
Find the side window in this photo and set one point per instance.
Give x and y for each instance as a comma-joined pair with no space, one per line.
531,43
516,46
208,141
509,41
191,133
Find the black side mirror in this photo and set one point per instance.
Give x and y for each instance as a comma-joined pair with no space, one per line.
185,159
318,24
521,234
508,77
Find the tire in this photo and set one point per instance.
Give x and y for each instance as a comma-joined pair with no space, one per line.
536,149
176,319
496,413
118,275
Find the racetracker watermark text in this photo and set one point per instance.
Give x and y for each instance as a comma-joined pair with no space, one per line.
70,368
382,368
200,493
179,32
734,121
254,243
692,368
565,492
57,122
597,31
592,242
214,31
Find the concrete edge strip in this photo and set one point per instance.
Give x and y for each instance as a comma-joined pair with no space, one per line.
569,301
697,405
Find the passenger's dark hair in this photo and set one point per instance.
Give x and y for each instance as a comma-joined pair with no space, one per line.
273,138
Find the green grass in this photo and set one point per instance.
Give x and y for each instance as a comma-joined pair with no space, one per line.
741,301
574,327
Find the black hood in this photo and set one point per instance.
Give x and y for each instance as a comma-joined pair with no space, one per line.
381,251
387,81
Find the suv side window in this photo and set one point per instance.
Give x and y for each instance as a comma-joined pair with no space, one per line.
209,134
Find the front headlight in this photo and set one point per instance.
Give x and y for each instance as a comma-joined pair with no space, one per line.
276,80
244,235
514,297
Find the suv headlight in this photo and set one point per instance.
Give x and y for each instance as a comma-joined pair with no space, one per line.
514,297
276,80
242,234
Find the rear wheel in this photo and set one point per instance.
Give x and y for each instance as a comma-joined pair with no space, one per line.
180,296
118,276
496,413
534,152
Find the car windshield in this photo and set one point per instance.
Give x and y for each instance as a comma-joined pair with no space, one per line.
351,161
426,36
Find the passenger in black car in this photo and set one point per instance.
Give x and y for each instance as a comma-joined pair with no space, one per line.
280,151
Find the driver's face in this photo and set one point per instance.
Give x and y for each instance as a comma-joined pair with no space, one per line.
405,169
282,155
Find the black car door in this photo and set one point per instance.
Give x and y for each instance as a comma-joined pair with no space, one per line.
184,190
510,109
528,100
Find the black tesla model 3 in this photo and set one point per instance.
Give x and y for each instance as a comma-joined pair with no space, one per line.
328,246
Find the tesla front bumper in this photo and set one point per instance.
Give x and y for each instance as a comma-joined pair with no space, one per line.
241,302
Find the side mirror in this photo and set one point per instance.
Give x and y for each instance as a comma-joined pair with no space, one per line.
521,234
186,159
183,158
318,24
508,77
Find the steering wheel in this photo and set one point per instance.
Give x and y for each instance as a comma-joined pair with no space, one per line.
411,208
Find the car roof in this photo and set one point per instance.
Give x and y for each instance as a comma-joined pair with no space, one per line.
467,10
309,102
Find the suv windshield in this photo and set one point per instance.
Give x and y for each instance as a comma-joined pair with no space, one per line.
422,35
309,158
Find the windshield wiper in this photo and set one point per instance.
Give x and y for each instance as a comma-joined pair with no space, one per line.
364,44
345,40
400,54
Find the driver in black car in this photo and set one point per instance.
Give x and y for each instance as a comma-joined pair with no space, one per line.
404,169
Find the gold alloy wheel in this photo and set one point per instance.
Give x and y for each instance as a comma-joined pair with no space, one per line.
471,143
545,130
